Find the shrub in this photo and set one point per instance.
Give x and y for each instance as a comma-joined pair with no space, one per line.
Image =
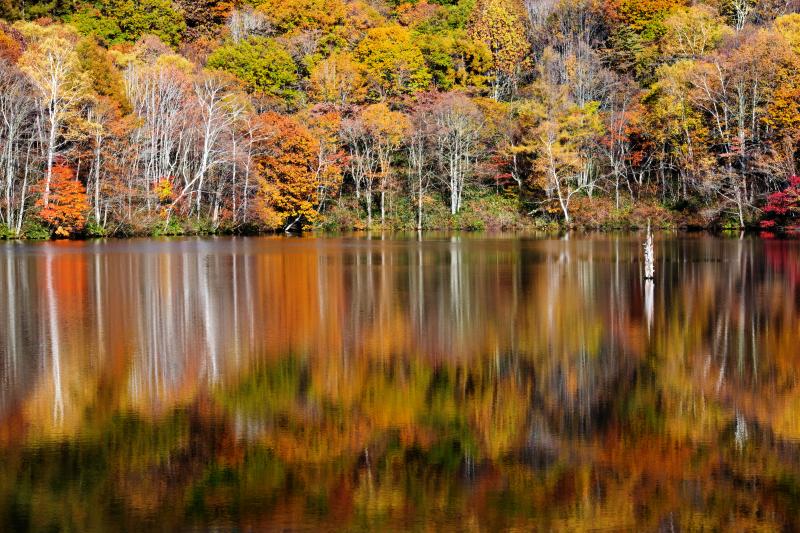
172,228
94,230
343,216
782,211
66,210
35,231
6,232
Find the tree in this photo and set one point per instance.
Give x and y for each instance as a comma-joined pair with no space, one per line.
17,117
326,16
10,44
264,65
287,169
500,25
362,160
694,31
204,18
457,124
418,146
394,65
102,75
338,80
789,27
560,136
68,204
731,86
218,108
247,22
54,70
642,16
125,21
456,60
325,125
636,26
386,130
679,131
739,12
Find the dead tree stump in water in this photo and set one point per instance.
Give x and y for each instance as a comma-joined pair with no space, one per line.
649,257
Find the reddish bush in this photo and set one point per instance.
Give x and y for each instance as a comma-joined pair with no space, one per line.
782,211
68,204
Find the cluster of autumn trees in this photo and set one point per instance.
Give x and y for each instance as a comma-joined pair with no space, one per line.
282,114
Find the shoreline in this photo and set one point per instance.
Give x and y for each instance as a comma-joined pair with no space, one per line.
401,233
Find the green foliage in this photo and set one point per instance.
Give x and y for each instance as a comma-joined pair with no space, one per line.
34,230
343,216
264,65
269,391
200,226
455,60
459,12
90,21
125,21
6,232
94,230
172,228
105,78
34,9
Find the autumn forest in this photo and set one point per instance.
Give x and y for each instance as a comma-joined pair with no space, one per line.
160,117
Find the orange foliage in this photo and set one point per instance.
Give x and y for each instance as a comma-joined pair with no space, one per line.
288,172
10,49
68,203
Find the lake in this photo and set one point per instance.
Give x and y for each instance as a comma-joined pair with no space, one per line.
444,382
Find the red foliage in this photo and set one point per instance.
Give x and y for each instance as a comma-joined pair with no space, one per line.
499,169
783,208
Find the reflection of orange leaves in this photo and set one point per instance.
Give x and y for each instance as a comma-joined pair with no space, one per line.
71,284
68,203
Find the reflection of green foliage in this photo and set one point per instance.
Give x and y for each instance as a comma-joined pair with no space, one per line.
74,485
639,411
269,390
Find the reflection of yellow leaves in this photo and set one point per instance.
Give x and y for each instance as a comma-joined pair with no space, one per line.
376,500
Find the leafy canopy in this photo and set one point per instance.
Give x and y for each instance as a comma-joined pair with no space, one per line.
125,21
264,65
394,64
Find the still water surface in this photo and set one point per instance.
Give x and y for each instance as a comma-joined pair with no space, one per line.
451,383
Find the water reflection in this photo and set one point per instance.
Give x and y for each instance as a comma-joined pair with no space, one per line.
353,383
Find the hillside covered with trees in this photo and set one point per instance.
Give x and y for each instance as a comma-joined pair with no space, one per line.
195,116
